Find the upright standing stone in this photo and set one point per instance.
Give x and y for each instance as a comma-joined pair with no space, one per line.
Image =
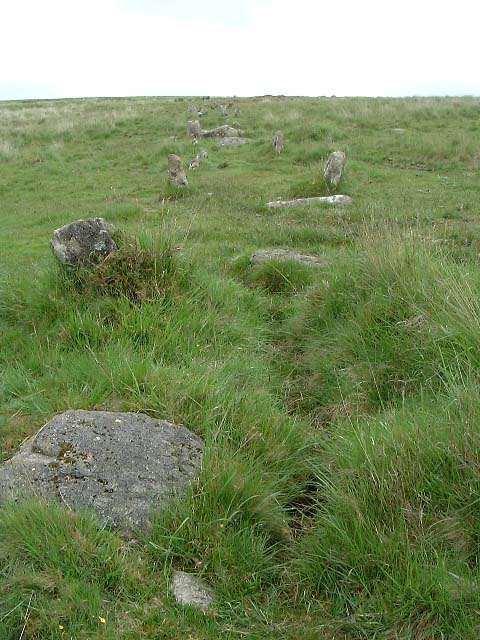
336,199
277,141
334,169
176,173
194,129
191,590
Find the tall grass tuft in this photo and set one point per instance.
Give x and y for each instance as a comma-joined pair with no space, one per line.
395,541
138,271
382,328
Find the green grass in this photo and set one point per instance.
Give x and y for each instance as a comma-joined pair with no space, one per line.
339,402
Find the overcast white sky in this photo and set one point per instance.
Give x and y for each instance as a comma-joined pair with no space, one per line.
73,48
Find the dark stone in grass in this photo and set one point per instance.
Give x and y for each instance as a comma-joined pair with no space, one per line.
83,241
122,465
259,257
191,590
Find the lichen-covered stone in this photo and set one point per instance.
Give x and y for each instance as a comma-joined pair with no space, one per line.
195,162
83,241
194,128
176,173
122,465
191,590
334,168
284,254
225,131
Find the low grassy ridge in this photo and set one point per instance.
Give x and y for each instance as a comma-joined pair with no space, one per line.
339,403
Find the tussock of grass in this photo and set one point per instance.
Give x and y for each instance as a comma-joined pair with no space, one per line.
396,536
57,568
279,276
136,272
380,329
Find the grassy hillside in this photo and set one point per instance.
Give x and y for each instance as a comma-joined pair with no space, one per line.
339,404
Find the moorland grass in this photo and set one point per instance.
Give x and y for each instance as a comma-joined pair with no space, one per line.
338,403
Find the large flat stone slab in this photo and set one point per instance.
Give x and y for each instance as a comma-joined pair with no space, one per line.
224,131
122,465
265,255
232,141
339,199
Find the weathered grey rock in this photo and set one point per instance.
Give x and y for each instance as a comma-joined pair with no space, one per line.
334,169
259,257
191,590
194,128
277,141
195,162
233,141
337,199
83,241
192,108
222,132
176,173
120,464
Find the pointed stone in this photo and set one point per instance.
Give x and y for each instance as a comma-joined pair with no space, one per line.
176,173
277,141
334,169
194,129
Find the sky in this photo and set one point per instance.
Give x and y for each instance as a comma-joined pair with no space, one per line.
80,48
